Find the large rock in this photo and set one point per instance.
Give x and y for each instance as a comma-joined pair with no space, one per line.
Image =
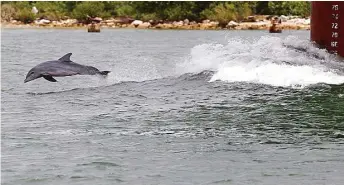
250,19
209,25
214,23
206,26
15,22
144,25
123,20
110,20
70,21
193,23
56,23
153,22
232,24
110,24
252,26
206,21
178,24
283,18
299,21
42,21
97,19
131,26
136,23
261,18
158,26
167,26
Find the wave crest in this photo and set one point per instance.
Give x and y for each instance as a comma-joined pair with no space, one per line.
287,62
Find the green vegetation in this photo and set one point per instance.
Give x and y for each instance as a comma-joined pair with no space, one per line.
88,8
227,11
52,10
22,11
7,12
291,7
151,10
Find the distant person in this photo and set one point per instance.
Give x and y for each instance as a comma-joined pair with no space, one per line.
274,28
275,21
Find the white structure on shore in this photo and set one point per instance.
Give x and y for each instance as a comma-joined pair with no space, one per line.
34,10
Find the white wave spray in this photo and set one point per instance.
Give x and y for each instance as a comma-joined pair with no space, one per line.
266,60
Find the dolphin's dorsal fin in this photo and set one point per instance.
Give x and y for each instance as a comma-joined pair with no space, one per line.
65,58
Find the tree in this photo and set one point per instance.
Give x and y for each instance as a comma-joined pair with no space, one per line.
7,12
301,8
222,12
262,8
126,9
243,9
52,10
23,11
88,8
180,10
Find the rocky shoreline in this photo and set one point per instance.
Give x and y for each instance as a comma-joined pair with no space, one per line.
256,23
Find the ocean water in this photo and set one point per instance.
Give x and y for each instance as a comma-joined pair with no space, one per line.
179,107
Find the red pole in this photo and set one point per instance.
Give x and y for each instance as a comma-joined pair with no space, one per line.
327,25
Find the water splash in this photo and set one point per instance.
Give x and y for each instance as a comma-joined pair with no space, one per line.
133,70
266,60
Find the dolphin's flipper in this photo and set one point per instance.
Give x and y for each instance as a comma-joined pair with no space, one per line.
65,58
104,72
49,78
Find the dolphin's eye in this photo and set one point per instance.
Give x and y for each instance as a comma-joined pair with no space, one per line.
32,73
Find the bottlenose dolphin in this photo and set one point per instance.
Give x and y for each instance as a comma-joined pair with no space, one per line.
61,67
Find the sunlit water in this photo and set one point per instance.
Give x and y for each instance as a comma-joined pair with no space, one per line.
179,107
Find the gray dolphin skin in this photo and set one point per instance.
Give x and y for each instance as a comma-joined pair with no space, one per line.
61,67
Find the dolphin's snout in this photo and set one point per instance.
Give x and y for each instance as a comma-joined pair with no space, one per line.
29,78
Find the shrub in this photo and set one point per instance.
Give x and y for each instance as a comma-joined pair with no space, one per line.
25,16
51,10
126,10
22,11
180,11
7,12
21,5
243,10
290,8
88,8
149,16
228,11
223,12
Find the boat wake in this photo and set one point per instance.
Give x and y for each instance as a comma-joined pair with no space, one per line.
288,62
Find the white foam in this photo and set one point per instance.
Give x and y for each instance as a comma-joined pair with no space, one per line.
277,75
264,61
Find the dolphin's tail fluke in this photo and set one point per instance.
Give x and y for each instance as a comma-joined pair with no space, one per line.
104,72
